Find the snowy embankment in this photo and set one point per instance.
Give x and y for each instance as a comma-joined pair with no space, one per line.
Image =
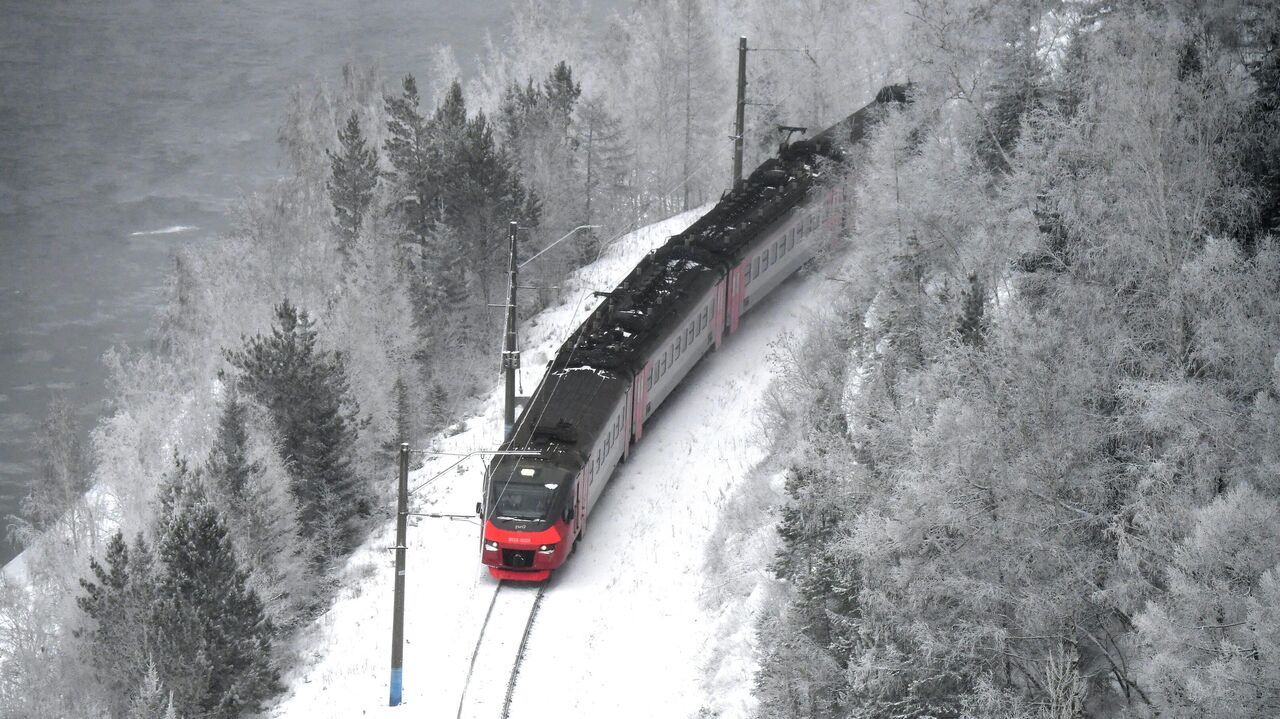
631,626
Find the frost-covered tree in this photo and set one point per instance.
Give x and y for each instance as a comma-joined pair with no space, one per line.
119,633
407,147
607,160
353,178
304,388
250,488
211,637
57,505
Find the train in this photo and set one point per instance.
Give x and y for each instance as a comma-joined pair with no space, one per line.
679,303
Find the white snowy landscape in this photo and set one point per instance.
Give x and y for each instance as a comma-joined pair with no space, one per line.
634,617
1007,448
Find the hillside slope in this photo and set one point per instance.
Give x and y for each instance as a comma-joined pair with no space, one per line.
622,630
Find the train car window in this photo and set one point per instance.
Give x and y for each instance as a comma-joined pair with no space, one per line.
764,260
773,257
755,268
688,335
747,276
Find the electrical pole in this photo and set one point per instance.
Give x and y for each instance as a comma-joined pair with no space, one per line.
397,620
510,357
742,107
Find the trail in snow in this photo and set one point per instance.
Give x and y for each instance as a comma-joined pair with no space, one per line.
622,631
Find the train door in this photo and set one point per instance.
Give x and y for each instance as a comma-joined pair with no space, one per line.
580,504
639,398
719,299
628,418
737,293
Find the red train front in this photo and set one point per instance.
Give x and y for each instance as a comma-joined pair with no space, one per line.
529,517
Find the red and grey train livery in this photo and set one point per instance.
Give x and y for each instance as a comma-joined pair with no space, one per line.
677,304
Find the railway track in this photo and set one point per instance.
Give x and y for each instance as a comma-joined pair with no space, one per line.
486,694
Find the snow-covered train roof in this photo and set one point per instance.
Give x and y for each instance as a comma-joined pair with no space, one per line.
594,365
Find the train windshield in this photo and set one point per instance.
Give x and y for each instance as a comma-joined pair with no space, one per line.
525,493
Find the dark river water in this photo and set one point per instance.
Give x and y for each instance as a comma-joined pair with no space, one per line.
127,128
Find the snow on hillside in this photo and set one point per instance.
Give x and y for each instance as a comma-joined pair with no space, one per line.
623,630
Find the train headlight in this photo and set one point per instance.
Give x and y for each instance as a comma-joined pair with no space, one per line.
546,549
490,545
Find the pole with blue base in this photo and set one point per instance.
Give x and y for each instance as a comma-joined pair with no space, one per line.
397,621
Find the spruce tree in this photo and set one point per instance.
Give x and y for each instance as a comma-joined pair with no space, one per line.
404,414
353,178
305,390
562,95
261,515
117,602
488,193
448,156
515,113
437,406
213,638
229,466
407,148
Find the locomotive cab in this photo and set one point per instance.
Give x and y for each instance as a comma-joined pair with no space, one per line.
528,518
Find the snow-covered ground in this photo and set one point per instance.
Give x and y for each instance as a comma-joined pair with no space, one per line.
630,626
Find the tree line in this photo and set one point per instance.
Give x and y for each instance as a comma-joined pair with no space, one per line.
1032,471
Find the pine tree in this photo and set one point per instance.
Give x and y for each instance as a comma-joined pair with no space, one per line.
229,466
562,95
261,515
407,148
305,390
515,113
213,638
487,194
449,155
117,602
354,176
404,413
437,406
